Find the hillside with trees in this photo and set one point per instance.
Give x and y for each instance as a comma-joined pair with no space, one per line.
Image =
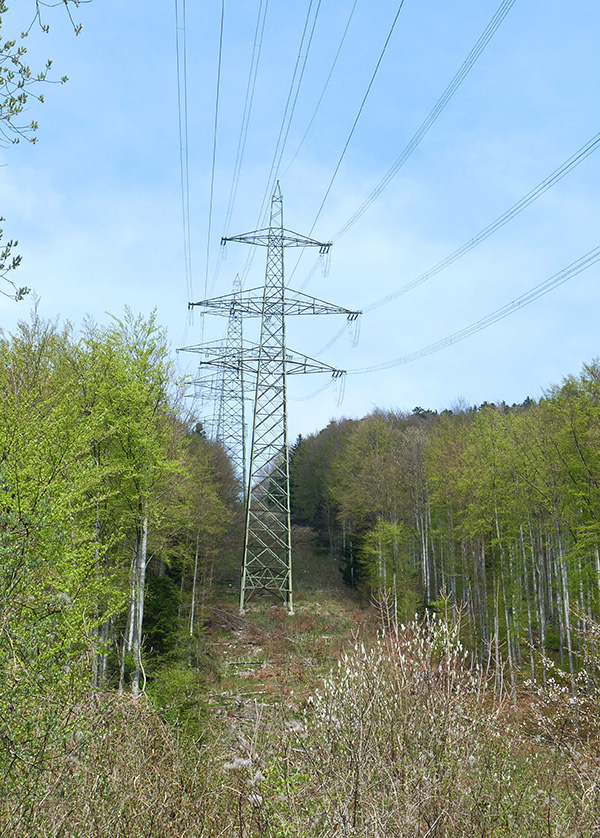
494,508
112,511
439,676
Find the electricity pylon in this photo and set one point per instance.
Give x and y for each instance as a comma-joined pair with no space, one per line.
207,390
267,558
231,418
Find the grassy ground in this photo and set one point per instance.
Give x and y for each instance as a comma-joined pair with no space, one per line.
268,654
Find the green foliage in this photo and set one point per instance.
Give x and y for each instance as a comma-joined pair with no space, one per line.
48,552
388,566
161,629
499,509
178,693
10,262
18,82
178,685
311,464
97,478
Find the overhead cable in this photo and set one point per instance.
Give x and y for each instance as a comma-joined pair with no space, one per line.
557,175
520,302
325,86
439,106
248,102
329,383
503,219
290,105
182,111
448,93
347,143
288,114
358,115
214,149
247,111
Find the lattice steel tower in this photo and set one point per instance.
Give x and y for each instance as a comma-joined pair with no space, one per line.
267,563
267,557
231,420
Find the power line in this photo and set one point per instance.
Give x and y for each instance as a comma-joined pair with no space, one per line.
437,109
290,107
542,187
182,111
275,174
448,93
358,115
329,383
214,150
503,219
325,86
248,102
292,98
520,302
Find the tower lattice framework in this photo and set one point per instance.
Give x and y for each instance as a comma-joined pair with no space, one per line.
230,425
267,552
267,558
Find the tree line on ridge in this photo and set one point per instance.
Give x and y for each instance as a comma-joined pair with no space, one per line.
494,510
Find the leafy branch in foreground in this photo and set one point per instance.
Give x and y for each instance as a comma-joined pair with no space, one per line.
8,262
18,82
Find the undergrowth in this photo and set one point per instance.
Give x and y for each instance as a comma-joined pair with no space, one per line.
402,739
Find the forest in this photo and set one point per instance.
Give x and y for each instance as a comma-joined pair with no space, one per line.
440,676
493,509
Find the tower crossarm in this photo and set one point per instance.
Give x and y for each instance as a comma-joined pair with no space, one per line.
209,347
245,304
296,363
251,304
281,236
298,303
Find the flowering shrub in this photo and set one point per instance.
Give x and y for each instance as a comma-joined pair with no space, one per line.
404,739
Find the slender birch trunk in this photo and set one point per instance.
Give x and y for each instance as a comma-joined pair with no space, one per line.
194,582
138,607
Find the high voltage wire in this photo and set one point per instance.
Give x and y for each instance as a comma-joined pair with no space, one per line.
358,115
292,98
248,102
275,174
329,383
250,88
214,150
325,86
542,187
291,102
520,302
350,135
503,219
448,93
284,129
182,110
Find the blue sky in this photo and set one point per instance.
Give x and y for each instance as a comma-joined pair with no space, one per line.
96,204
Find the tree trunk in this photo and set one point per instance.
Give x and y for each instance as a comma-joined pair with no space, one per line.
139,574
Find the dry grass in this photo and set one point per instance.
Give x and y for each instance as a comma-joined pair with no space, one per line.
399,739
119,772
403,740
